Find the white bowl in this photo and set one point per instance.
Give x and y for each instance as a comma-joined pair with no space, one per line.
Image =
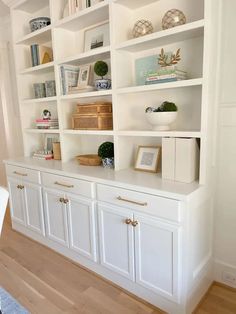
161,121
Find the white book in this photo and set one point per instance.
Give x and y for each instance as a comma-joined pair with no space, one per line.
168,158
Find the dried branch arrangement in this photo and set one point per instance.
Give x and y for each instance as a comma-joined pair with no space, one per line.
163,58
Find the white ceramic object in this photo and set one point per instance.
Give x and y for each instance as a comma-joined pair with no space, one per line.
161,121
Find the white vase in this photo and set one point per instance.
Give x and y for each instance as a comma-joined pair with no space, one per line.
161,121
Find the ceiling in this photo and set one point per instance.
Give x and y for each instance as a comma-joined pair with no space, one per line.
4,10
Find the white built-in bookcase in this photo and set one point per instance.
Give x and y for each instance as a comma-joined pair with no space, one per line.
66,36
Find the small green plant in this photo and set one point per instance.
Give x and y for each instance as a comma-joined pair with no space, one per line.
106,150
166,106
101,68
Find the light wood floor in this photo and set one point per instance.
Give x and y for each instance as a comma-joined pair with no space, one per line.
47,283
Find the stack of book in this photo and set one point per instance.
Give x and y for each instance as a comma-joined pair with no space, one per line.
43,154
77,5
167,74
40,54
47,124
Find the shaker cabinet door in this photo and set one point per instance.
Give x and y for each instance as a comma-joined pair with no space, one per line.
16,201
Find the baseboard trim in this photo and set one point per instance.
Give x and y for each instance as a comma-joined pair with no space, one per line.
219,268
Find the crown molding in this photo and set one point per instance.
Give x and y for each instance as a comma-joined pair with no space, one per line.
11,3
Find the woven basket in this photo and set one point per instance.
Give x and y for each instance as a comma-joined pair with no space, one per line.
89,160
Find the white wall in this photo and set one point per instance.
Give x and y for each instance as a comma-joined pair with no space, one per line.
225,200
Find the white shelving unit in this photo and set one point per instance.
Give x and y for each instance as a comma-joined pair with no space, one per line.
66,37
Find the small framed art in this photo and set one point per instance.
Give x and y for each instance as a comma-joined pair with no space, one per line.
84,76
96,37
148,158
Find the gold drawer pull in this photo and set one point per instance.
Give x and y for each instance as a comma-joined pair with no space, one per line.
134,223
64,185
21,187
129,201
128,221
20,174
61,200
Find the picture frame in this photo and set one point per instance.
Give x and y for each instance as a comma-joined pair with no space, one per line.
84,76
96,37
49,140
148,159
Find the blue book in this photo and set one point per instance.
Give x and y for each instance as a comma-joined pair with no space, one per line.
34,55
174,79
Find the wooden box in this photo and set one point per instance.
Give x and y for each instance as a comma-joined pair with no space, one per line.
96,116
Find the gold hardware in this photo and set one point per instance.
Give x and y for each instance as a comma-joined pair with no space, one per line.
132,202
18,186
61,200
128,221
64,185
21,187
66,201
20,174
134,223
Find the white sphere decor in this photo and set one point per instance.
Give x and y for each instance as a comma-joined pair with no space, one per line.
161,121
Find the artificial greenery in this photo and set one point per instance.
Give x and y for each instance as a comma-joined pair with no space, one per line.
106,150
101,68
166,106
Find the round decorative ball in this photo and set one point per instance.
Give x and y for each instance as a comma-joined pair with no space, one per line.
173,18
142,28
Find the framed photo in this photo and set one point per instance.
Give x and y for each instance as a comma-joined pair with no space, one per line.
148,158
96,37
49,140
84,76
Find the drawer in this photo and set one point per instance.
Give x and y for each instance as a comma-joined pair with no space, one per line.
69,185
157,206
24,174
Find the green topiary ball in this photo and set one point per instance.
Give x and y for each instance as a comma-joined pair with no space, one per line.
106,150
101,68
168,106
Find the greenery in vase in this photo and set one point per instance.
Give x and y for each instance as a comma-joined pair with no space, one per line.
166,106
106,150
101,68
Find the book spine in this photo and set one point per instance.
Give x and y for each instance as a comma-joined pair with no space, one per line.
37,54
63,87
33,49
162,81
162,77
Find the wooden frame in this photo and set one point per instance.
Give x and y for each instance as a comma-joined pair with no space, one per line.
154,165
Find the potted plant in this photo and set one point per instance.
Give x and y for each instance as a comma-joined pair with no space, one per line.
160,118
101,69
106,152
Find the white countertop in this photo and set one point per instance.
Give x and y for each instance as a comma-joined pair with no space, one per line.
128,179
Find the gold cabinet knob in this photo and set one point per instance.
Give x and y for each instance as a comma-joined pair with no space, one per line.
18,186
22,187
66,201
134,223
128,221
61,200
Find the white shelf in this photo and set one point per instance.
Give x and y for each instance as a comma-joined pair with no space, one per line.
42,131
87,95
165,37
39,100
89,132
47,67
40,36
194,134
153,87
88,57
31,6
134,4
85,18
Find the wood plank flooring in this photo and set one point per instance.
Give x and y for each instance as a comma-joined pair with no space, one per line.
47,283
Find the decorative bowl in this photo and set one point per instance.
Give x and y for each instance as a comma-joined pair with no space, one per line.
89,160
161,121
38,23
108,162
103,84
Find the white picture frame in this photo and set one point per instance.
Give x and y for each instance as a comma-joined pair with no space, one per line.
148,158
97,37
84,76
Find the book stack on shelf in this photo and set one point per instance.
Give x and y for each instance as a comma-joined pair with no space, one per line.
73,6
167,74
47,124
40,54
43,154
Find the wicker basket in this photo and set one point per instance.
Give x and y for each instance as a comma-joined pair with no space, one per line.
92,122
95,108
89,160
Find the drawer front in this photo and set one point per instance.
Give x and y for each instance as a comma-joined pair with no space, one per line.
24,174
67,184
157,206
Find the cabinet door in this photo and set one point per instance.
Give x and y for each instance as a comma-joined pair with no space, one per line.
34,207
156,254
16,201
116,240
56,217
82,226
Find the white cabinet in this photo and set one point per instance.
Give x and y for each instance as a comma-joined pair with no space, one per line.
70,221
82,230
116,240
56,216
156,255
140,248
26,204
